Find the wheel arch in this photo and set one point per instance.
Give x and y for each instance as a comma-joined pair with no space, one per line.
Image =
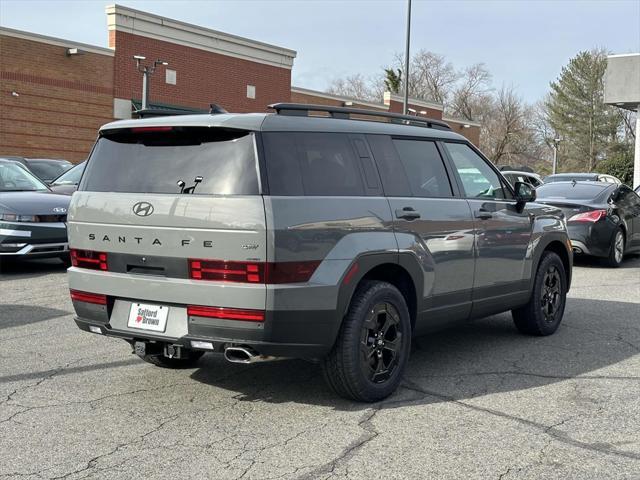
560,248
400,270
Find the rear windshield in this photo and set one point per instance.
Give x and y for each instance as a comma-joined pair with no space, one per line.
571,191
159,159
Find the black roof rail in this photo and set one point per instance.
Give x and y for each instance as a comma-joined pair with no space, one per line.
303,109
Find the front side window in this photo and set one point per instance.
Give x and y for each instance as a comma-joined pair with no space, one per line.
479,180
155,159
424,168
313,164
70,177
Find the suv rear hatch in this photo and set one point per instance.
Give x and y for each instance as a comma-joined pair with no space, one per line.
177,211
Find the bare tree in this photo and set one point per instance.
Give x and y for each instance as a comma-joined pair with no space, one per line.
435,77
356,86
431,77
472,95
508,137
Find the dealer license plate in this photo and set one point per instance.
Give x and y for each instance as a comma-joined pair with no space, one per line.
148,317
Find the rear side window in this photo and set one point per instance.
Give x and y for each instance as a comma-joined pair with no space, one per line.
155,159
424,168
314,164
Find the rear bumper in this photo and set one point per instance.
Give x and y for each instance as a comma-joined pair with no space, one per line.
300,334
592,238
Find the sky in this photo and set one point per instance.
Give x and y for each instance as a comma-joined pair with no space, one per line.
523,43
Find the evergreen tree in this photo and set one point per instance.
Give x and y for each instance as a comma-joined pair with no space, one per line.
577,111
393,80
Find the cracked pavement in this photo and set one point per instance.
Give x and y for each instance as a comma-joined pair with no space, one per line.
480,401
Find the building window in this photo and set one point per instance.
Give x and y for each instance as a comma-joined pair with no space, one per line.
170,77
251,91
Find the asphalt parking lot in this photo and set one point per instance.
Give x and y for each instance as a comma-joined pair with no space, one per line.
477,402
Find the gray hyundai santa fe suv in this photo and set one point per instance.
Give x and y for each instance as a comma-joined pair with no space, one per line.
305,233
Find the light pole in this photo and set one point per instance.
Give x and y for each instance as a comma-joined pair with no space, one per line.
147,71
406,60
556,141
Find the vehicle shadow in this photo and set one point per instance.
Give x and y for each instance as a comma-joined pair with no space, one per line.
16,269
19,315
585,261
487,356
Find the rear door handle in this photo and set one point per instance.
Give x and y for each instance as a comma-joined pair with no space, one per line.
483,214
407,213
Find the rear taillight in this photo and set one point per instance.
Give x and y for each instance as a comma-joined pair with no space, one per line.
592,216
252,272
87,297
245,272
89,259
226,313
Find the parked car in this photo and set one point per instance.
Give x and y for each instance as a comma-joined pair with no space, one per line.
44,168
581,177
266,236
67,183
603,219
32,218
532,179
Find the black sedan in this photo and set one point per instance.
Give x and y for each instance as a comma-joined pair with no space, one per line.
603,219
32,218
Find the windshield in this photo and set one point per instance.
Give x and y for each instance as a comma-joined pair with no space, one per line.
14,178
571,191
197,160
70,177
48,170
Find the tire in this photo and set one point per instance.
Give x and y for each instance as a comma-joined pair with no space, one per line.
616,252
176,363
543,313
369,357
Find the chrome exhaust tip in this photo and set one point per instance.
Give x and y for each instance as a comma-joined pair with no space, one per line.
246,355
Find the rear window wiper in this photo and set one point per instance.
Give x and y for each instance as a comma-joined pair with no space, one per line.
191,189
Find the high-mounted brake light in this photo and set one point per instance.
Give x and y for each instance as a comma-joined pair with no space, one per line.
150,129
89,259
226,313
87,297
252,272
592,216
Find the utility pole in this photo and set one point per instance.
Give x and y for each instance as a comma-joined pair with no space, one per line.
147,71
405,109
556,141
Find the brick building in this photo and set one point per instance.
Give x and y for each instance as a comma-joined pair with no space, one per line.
55,94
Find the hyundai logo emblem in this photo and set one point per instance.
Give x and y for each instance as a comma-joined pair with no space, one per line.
59,210
143,209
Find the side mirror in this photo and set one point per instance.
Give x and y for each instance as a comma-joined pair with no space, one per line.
524,192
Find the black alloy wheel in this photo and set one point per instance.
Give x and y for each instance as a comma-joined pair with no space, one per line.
380,342
551,294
